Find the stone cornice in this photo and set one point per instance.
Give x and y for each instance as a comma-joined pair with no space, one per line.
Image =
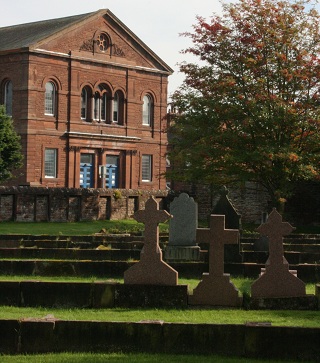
88,135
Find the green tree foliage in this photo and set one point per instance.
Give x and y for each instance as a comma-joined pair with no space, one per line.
10,147
249,108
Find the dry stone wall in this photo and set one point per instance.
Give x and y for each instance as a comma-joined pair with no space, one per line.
34,204
250,200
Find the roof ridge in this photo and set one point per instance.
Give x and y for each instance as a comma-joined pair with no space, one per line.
80,16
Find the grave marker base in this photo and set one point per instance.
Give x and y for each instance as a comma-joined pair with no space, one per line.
215,291
155,272
278,282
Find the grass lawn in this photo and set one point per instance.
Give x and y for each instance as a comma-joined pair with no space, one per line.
203,315
292,318
91,227
73,228
128,358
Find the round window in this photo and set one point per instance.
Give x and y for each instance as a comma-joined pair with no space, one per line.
102,42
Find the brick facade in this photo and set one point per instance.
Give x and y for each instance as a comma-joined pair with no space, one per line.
70,57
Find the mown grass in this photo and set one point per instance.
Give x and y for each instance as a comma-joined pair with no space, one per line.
91,227
74,228
130,358
310,319
190,315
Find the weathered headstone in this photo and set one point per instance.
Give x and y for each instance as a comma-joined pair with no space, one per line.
151,270
215,288
276,279
226,208
182,229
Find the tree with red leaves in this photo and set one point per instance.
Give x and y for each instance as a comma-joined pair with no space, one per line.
249,108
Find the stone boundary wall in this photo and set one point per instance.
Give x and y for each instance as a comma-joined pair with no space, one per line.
29,336
36,204
250,200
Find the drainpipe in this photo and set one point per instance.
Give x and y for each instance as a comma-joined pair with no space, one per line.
67,173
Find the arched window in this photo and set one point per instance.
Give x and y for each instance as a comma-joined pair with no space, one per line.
115,107
104,106
147,110
96,106
8,97
118,108
84,104
50,99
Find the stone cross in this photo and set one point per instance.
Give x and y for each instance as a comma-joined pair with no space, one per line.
218,236
151,216
215,288
276,280
275,229
151,269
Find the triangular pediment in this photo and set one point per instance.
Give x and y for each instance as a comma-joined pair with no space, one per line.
99,36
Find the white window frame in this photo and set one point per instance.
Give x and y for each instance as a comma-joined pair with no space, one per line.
146,168
50,163
50,99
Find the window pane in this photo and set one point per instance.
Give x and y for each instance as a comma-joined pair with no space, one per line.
116,107
49,99
146,167
104,107
8,98
84,104
50,167
96,110
146,111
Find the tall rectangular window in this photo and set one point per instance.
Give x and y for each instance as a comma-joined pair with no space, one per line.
49,101
147,110
84,100
8,97
146,168
50,163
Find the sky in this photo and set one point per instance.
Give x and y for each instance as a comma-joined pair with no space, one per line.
157,23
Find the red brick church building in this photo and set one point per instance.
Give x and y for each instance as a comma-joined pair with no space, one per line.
88,99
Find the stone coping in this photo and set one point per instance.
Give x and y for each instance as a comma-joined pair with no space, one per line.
101,294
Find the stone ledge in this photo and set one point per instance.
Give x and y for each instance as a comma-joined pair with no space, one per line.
90,295
308,302
29,336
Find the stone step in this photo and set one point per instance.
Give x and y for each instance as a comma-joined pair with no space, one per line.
70,254
135,244
111,269
292,257
99,294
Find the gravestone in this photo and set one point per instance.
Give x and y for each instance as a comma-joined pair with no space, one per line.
151,270
182,230
215,288
226,208
276,280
